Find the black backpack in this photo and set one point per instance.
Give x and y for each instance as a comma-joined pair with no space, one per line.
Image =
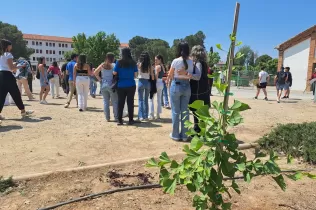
281,77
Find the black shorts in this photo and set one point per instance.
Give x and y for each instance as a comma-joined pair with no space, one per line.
262,85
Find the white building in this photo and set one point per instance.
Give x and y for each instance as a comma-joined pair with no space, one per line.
50,47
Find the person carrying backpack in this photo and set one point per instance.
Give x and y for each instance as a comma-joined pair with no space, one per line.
279,81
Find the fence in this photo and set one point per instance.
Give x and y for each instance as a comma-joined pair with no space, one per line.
248,79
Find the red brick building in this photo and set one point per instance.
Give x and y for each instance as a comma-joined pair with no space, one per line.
299,53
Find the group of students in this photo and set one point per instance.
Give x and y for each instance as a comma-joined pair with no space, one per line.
185,81
282,80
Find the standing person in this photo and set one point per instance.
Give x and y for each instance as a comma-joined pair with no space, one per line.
314,83
93,83
43,80
145,73
126,71
22,75
180,91
210,80
54,82
288,83
164,95
81,78
160,71
263,81
7,80
65,77
30,77
72,85
199,82
108,93
279,81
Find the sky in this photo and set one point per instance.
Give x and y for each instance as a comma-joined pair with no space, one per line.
263,24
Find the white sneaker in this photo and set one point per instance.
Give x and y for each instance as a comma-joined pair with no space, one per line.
43,102
66,105
27,113
2,118
151,117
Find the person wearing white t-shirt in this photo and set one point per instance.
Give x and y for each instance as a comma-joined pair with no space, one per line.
7,80
263,81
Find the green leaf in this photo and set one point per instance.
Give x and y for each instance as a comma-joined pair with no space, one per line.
200,202
234,119
152,163
215,105
241,167
169,186
214,75
220,87
197,104
309,175
226,206
235,187
232,37
272,167
289,158
239,55
238,43
164,159
188,124
191,187
280,181
196,143
219,46
203,111
247,176
239,106
174,164
296,176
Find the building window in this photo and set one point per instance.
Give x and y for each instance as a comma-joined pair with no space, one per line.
50,59
66,45
47,59
63,52
40,43
46,44
54,59
59,52
50,52
46,51
53,44
59,45
63,45
50,44
33,58
41,51
54,52
37,51
33,43
36,43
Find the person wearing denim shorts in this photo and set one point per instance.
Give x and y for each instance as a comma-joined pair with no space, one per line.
280,81
180,91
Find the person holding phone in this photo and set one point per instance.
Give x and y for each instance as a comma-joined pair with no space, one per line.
43,80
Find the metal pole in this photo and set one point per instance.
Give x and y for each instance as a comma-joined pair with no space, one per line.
230,62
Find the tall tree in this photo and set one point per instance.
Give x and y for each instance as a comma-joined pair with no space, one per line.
213,58
12,33
97,46
247,59
263,59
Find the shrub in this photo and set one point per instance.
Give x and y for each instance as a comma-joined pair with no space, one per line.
298,140
5,184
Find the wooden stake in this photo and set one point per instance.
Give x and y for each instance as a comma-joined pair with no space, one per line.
231,62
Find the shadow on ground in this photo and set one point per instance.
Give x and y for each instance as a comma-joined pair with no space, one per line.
7,128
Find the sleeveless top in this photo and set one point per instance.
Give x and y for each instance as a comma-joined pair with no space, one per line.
161,73
107,77
82,71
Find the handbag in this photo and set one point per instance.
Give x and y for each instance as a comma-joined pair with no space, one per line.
50,75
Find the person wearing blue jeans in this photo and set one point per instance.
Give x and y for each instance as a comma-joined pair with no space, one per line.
145,72
180,91
93,86
164,96
108,93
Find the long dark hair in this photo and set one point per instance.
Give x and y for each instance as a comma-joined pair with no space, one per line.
55,64
145,62
159,57
183,51
126,61
4,44
82,60
40,60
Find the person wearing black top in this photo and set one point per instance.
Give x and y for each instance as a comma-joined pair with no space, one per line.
30,77
288,83
65,77
199,86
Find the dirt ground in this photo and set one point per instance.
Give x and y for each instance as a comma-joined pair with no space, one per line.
56,138
261,194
